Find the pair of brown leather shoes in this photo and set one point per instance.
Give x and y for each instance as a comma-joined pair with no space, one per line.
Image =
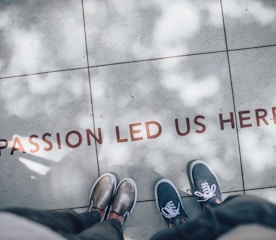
109,197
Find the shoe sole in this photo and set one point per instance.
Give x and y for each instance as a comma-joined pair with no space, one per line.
190,170
172,185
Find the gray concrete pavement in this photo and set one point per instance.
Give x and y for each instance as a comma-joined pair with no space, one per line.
139,89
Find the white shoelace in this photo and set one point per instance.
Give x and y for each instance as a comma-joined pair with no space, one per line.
208,191
170,210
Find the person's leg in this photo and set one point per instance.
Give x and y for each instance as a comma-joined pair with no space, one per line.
102,193
69,222
122,205
204,184
218,217
63,222
242,209
106,230
214,222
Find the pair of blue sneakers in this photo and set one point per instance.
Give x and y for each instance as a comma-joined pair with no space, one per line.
204,185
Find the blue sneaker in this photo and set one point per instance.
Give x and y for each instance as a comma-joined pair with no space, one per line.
205,183
169,203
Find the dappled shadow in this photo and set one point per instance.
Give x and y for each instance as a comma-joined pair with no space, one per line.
166,89
43,160
46,36
151,29
253,72
250,23
162,100
36,36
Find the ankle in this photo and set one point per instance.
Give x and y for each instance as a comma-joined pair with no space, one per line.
101,212
177,221
211,203
116,216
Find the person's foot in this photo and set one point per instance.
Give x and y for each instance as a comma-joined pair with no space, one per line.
169,203
102,193
124,200
205,183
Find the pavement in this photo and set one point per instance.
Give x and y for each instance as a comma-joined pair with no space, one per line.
139,88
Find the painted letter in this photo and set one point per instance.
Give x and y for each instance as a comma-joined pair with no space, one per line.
3,146
222,121
36,149
58,141
90,133
76,144
16,141
134,131
261,116
200,124
177,127
47,141
119,140
242,119
159,129
274,114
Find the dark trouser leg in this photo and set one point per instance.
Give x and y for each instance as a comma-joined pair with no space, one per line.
216,221
106,230
64,223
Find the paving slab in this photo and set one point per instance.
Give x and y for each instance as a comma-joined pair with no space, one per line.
156,116
253,75
46,160
41,36
151,29
249,23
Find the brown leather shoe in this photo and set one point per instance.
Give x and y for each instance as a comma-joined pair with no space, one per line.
102,193
125,199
